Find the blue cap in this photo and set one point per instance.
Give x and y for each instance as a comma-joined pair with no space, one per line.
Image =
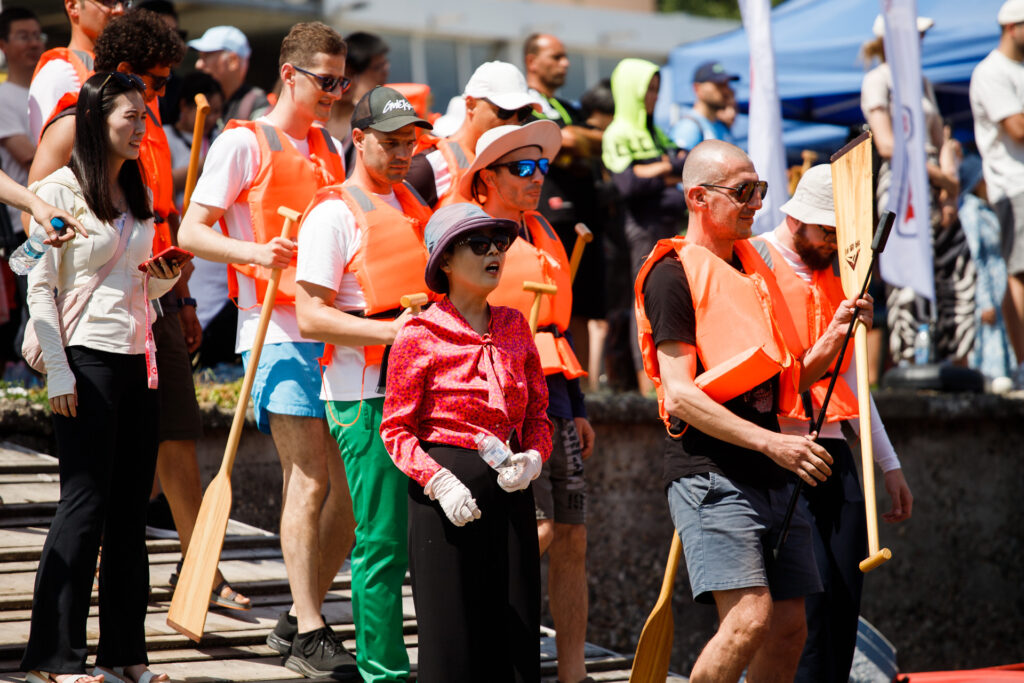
713,72
447,224
222,38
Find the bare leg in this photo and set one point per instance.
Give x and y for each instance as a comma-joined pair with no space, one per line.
777,659
304,447
337,525
598,330
744,617
567,597
1013,314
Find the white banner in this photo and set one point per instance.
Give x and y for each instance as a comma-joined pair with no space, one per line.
907,259
764,142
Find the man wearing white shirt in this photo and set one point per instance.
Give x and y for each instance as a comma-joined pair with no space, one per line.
802,254
22,42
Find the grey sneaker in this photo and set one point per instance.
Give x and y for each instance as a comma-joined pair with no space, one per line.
319,654
284,633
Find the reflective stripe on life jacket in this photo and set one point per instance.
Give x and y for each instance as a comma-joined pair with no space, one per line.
284,178
155,159
543,260
811,307
81,61
740,342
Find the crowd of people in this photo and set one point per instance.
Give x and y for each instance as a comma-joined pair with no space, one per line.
376,407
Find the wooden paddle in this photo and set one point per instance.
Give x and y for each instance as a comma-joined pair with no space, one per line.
191,599
654,649
851,189
583,238
414,301
202,109
539,289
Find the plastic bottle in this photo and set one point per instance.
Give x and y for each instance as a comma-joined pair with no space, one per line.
31,251
493,450
922,345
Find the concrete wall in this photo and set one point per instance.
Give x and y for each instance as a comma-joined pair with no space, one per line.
951,597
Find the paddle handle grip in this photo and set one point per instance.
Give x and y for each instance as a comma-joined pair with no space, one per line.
539,289
583,237
414,301
202,109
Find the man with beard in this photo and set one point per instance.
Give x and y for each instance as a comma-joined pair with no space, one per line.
801,252
711,85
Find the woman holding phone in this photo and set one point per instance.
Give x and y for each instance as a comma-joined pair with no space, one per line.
100,389
463,368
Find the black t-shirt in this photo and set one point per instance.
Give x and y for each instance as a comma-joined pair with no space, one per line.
669,307
421,177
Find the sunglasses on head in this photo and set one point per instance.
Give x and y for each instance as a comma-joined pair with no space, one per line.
525,168
126,80
327,83
481,244
744,192
521,114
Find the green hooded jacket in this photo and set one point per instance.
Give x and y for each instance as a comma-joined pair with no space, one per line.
628,138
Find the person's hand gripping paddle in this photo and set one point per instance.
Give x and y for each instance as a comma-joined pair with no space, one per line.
191,599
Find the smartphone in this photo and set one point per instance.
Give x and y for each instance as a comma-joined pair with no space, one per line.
171,254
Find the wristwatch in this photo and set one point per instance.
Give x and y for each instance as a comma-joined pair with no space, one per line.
187,301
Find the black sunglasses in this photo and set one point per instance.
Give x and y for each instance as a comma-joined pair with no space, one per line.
744,191
521,114
127,80
158,82
111,4
481,244
525,168
327,83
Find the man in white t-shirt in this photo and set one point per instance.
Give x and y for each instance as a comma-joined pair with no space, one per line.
22,42
343,237
252,169
997,102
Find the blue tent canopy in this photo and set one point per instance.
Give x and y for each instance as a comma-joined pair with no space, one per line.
817,45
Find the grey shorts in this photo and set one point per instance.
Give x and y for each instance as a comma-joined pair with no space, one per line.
560,493
728,532
180,419
1010,211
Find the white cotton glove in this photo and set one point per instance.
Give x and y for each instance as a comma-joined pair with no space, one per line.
523,468
455,499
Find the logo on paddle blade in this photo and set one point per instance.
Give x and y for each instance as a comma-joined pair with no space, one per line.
851,253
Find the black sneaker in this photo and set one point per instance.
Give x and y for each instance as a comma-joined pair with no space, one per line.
284,633
159,522
319,654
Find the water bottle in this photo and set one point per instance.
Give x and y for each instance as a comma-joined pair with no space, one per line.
31,250
493,450
922,345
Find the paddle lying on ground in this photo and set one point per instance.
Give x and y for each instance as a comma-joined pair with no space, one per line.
653,650
539,289
191,599
202,109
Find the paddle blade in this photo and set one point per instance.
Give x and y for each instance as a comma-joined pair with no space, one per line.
851,190
191,599
654,649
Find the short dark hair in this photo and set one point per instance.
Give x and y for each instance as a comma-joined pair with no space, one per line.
195,83
11,15
306,40
142,39
362,48
531,44
598,99
159,6
89,153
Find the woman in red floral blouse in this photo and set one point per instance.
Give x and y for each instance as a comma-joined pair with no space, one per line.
460,368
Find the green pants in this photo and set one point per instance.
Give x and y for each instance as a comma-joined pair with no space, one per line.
380,555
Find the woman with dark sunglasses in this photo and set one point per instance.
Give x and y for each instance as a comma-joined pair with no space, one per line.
460,369
100,379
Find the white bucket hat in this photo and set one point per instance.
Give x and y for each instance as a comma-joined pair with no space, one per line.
813,202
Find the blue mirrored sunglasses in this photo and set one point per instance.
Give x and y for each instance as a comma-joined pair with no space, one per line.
525,168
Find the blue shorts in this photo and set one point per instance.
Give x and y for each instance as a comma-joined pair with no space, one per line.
287,381
728,532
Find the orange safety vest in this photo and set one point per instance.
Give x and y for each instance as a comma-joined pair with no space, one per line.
458,161
81,61
543,260
285,178
740,341
391,258
155,159
811,307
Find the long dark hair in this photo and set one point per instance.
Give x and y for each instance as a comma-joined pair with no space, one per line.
89,156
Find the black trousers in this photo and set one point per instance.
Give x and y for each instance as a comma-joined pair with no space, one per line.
107,458
476,588
840,543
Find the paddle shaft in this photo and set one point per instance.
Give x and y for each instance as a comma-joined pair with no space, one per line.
583,237
539,289
202,109
654,649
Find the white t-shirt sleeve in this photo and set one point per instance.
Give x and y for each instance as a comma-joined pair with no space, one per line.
875,91
327,243
994,90
230,168
12,122
53,81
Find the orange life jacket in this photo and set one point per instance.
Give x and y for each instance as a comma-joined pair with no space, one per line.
81,61
740,341
811,307
458,160
542,261
155,159
285,178
391,258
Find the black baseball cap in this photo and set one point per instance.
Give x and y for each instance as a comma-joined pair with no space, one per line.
713,72
385,109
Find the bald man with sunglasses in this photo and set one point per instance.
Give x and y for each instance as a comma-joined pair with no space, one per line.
496,95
